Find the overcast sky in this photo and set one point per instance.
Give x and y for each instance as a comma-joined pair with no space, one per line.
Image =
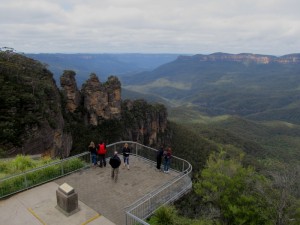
151,26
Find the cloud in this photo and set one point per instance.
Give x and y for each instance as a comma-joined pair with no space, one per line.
191,26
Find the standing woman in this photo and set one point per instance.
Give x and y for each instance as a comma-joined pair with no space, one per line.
93,151
126,152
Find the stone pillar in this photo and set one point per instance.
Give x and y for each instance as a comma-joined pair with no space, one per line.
67,199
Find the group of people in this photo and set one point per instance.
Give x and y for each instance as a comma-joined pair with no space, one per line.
98,154
164,155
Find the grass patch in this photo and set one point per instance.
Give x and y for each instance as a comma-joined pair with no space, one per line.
26,172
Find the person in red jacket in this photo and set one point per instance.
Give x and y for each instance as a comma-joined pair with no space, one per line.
101,153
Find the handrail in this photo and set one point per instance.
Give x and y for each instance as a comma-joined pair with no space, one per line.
22,181
137,212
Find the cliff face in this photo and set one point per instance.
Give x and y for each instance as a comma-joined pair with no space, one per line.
245,58
70,90
145,123
142,122
102,101
38,118
31,119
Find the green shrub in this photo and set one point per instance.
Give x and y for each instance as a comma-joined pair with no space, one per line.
12,185
164,216
72,165
36,177
21,163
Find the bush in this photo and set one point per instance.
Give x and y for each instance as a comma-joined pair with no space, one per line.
35,177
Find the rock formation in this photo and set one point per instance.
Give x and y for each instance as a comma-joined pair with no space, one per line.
102,101
68,83
146,123
38,118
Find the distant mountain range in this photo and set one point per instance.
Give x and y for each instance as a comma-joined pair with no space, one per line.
259,87
101,64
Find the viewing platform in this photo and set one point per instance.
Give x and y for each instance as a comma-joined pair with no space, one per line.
138,192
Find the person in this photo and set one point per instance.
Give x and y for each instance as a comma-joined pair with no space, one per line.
159,155
167,158
115,162
93,151
101,153
126,152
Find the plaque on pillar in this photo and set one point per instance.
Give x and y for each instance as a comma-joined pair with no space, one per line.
67,199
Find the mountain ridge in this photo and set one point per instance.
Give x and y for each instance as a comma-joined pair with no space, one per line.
245,57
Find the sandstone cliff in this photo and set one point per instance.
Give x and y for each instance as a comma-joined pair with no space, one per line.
101,100
31,119
70,90
245,58
38,118
145,123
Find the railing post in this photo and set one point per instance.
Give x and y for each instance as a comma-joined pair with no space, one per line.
62,168
136,149
26,182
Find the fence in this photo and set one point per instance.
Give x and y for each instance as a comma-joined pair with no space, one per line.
31,178
139,211
136,213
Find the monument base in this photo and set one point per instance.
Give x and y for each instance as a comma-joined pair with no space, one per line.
67,213
67,200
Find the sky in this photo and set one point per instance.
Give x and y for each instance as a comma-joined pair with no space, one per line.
269,27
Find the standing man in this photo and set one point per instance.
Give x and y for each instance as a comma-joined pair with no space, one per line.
115,162
101,153
159,155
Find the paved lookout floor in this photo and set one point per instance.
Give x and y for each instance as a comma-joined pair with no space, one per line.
101,200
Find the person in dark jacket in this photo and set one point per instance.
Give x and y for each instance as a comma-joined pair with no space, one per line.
126,152
93,151
101,153
115,162
159,155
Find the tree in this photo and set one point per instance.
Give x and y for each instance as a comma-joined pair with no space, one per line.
238,193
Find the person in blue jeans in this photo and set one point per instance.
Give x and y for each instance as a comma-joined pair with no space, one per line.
126,152
167,155
93,151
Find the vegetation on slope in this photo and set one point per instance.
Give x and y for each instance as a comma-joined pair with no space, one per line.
263,185
28,99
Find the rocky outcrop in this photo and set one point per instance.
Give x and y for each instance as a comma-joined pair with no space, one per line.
146,123
102,101
69,85
38,118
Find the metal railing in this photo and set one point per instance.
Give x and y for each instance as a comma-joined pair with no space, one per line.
137,212
140,210
31,178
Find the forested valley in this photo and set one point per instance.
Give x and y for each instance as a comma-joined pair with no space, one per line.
239,129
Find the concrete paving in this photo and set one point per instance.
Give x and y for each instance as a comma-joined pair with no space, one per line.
101,200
